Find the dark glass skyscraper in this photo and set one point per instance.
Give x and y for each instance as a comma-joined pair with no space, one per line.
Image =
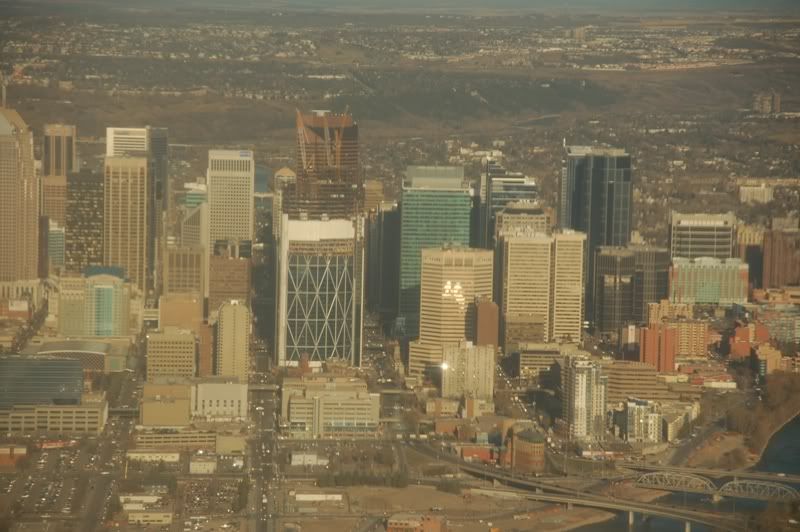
651,281
596,198
499,188
613,288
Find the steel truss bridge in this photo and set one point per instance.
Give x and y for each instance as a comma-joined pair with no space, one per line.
759,490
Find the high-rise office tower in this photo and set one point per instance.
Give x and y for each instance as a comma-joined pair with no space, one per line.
185,270
499,187
107,303
318,313
584,398
692,236
569,277
541,290
651,279
781,258
614,271
329,181
83,233
435,209
708,281
451,279
152,143
127,141
43,269
383,259
596,197
526,287
233,341
96,303
59,159
230,180
522,216
229,276
487,322
171,352
750,248
59,150
468,370
184,311
127,238
19,201
373,195
55,246
194,229
322,244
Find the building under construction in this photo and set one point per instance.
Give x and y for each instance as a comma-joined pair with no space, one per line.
329,181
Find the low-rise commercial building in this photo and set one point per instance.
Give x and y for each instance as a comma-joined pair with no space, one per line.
87,418
323,406
166,404
190,440
408,522
222,399
202,464
153,455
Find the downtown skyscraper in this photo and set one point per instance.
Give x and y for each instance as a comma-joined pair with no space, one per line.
127,233
321,246
329,182
19,202
541,281
499,188
452,279
230,179
318,306
59,159
596,198
435,209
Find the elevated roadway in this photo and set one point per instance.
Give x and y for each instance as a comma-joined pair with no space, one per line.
547,492
714,473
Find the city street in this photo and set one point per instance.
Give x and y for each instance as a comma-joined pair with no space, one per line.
265,493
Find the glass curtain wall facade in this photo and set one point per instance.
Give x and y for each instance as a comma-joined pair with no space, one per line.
429,218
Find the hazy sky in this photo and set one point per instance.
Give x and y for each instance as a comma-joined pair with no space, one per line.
583,4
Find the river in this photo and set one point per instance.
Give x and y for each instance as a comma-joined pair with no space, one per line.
782,455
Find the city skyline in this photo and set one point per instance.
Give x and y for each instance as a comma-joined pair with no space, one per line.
336,267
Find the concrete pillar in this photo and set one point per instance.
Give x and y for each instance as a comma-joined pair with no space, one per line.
687,527
630,519
569,506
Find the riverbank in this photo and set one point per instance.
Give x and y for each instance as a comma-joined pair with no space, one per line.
723,450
